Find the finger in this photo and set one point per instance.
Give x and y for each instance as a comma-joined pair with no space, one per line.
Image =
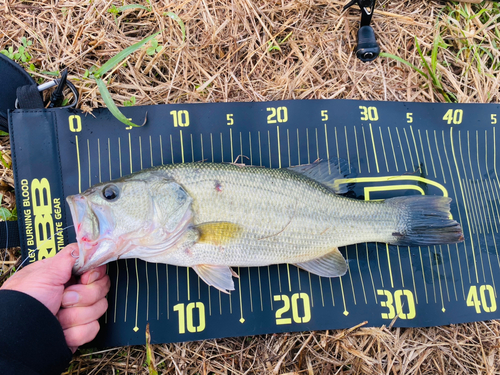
75,316
79,335
80,295
59,267
93,275
52,272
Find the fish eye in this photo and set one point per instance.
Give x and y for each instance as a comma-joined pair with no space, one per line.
110,193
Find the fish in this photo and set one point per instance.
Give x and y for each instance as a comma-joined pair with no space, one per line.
214,216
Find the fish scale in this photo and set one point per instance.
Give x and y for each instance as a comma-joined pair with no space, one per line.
286,217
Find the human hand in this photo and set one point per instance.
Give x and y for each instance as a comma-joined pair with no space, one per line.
76,306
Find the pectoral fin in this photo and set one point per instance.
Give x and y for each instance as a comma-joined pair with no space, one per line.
220,277
218,233
330,265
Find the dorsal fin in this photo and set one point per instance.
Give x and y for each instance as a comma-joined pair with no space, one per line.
326,172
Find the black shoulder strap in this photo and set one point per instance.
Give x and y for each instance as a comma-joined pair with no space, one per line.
9,234
12,76
29,97
16,83
4,124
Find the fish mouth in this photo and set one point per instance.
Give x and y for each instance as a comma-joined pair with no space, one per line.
92,228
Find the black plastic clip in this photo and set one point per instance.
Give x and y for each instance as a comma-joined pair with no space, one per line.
367,48
57,96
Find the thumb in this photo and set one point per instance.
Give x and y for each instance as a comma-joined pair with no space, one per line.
60,266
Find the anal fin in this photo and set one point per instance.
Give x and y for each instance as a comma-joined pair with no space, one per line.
220,277
332,264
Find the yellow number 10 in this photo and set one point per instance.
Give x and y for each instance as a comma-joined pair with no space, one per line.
181,118
186,318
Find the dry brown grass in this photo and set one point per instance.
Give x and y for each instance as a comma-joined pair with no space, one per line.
226,57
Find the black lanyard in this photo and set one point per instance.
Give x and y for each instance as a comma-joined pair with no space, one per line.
367,48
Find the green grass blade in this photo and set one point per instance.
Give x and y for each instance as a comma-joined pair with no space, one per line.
55,73
176,18
397,58
120,56
150,361
435,80
424,61
3,161
132,6
106,97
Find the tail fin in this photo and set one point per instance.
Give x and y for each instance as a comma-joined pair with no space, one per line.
425,220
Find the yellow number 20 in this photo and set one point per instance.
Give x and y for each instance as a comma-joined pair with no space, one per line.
295,308
280,114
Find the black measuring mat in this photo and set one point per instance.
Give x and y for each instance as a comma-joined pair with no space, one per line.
394,148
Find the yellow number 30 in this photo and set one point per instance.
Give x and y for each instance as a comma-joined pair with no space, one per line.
368,113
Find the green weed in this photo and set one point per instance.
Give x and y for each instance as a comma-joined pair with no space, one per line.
22,54
272,46
155,48
129,103
5,214
115,11
432,69
469,48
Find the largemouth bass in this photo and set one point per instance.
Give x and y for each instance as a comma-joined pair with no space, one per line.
212,217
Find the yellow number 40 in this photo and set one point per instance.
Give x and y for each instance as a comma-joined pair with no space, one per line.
453,116
475,300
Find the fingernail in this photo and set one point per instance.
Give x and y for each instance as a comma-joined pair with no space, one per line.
93,277
70,298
